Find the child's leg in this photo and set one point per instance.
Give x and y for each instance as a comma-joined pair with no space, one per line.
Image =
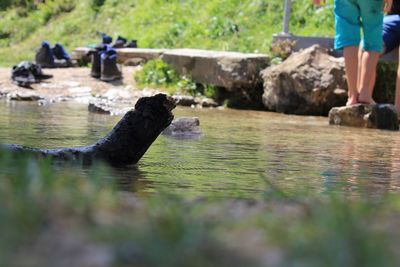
368,63
372,21
351,65
347,37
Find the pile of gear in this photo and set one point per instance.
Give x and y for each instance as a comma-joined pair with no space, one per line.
26,73
103,58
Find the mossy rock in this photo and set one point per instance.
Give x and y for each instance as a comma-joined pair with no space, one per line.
385,85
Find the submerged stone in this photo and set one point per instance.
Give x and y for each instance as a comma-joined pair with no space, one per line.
24,96
184,127
378,116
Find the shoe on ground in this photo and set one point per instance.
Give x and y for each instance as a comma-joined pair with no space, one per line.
109,68
120,42
95,71
61,57
44,56
105,39
131,44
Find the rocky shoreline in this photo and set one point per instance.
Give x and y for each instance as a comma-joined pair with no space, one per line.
76,85
309,82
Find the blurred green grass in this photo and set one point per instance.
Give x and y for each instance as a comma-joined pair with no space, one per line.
245,26
42,204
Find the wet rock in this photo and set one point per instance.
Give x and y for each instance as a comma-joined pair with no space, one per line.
208,103
190,101
24,96
184,100
379,116
185,127
103,106
310,82
100,108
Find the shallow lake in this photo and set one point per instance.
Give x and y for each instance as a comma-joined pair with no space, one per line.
239,154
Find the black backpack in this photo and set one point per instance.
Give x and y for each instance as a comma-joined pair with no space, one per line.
26,73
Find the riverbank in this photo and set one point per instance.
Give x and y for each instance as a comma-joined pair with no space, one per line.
76,84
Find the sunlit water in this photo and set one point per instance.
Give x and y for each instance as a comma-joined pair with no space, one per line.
240,153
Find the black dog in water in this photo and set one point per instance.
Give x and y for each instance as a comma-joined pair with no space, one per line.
128,140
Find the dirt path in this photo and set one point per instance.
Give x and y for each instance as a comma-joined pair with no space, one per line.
75,83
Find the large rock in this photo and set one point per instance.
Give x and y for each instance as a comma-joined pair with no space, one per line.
235,74
224,69
379,116
309,82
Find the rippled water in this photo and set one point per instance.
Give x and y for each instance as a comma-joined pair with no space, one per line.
238,152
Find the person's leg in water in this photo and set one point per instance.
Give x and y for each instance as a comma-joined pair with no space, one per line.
347,37
372,25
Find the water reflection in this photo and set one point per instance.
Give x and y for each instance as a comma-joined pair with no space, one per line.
235,150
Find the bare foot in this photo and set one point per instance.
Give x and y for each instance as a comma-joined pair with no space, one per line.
367,101
352,100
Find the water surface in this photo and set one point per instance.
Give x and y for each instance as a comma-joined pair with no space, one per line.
237,152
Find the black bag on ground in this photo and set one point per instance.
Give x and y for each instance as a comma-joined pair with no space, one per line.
25,73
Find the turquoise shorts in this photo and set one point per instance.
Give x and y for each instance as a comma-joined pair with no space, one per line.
353,15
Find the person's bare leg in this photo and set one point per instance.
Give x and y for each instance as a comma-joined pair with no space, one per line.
351,64
360,53
368,64
373,75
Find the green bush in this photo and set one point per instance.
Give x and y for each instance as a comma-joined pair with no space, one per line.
158,74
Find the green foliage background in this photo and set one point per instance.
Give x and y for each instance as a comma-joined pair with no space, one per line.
245,26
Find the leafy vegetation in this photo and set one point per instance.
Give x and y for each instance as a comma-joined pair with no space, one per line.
158,74
245,26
